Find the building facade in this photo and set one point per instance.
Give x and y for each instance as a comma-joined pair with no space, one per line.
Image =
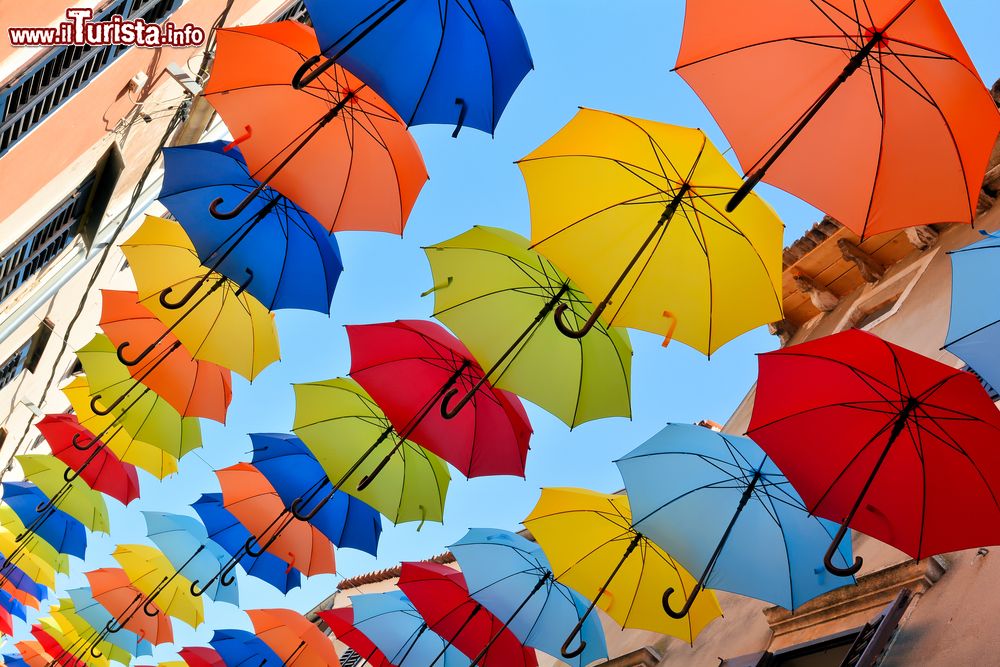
902,612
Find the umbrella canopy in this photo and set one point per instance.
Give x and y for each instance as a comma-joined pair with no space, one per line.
57,528
296,639
335,148
499,297
407,367
974,329
720,506
15,582
62,649
900,447
456,62
295,261
110,432
28,560
74,498
825,99
341,622
97,616
112,588
98,467
395,626
632,211
13,606
594,549
151,572
141,411
186,544
442,597
225,530
239,648
223,324
295,473
512,578
31,544
250,498
194,388
15,660
75,626
6,622
33,654
339,422
201,656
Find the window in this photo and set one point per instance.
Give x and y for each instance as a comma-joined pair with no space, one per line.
27,356
295,12
350,658
994,394
829,652
45,85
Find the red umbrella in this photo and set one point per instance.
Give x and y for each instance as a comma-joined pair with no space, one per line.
6,623
201,656
97,466
408,365
341,621
877,437
52,647
441,596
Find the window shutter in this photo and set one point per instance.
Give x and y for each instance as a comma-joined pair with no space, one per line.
869,647
758,659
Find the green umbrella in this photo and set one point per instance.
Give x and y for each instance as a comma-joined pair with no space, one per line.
498,296
74,498
338,421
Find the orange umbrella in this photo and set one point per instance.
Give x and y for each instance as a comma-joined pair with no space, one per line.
296,639
27,599
334,147
194,388
248,495
33,654
111,587
838,101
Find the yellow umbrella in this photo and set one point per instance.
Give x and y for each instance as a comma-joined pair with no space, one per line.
223,323
142,412
74,626
151,572
31,549
74,498
634,212
69,642
593,548
126,447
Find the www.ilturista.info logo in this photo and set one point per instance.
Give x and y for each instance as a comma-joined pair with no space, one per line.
79,30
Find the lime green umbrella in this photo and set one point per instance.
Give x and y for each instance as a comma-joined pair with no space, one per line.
338,421
499,296
74,498
141,412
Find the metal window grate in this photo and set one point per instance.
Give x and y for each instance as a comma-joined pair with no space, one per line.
15,364
993,393
28,100
350,658
295,12
44,243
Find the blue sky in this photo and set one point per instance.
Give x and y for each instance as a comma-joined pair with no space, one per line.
586,53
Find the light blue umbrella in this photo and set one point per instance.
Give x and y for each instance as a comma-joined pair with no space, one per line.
397,629
97,616
512,578
719,506
185,543
451,62
239,648
974,329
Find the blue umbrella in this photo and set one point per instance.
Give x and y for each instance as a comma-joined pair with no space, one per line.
512,578
185,542
21,581
239,648
295,474
450,62
974,329
395,626
719,505
294,261
14,607
13,660
97,616
231,535
66,534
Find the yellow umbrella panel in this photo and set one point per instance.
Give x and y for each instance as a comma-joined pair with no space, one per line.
151,572
126,447
221,323
74,498
593,548
634,212
74,626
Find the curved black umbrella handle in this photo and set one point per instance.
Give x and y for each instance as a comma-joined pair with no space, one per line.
227,578
246,283
184,300
83,448
213,208
94,651
132,362
97,410
296,508
303,76
564,650
370,477
463,109
687,603
259,550
449,412
832,551
568,331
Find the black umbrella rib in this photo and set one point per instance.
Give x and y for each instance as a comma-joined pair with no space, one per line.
747,47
